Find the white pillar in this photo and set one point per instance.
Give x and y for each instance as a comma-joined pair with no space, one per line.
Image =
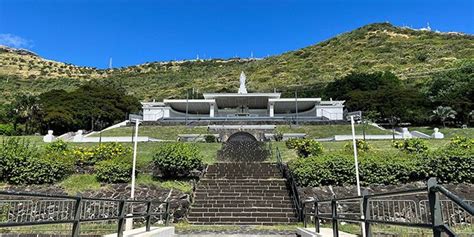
272,110
211,110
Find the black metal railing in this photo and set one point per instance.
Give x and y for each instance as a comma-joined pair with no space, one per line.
45,209
290,181
367,217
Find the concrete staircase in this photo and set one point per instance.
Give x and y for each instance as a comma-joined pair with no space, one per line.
242,193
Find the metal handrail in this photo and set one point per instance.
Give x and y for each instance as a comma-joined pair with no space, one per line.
77,218
290,183
432,190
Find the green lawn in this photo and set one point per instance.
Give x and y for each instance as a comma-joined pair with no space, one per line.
324,131
313,131
160,132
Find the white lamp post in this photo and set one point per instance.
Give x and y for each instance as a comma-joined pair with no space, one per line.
356,162
129,221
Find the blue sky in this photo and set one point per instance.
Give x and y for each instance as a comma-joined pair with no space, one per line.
89,32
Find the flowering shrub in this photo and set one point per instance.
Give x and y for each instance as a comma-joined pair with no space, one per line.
361,145
414,145
291,143
104,151
305,147
461,142
58,145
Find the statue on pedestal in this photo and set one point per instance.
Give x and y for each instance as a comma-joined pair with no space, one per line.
242,88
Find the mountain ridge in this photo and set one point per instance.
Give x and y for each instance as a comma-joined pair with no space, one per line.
411,54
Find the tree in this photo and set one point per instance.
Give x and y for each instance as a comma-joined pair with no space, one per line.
25,109
443,113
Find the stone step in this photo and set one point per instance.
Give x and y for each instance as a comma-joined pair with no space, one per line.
241,201
241,209
223,192
243,205
243,198
241,220
241,224
242,214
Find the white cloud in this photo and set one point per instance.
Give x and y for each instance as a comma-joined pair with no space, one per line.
15,41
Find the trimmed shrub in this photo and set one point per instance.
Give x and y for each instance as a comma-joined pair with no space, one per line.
291,143
57,146
308,147
210,138
116,170
177,159
413,145
450,165
361,145
21,163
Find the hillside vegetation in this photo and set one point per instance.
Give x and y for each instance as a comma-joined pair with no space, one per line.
410,54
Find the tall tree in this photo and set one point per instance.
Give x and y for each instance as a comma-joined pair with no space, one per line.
443,113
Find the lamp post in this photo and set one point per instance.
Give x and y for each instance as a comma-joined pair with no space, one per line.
356,163
129,221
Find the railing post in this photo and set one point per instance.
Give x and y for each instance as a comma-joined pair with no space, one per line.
76,226
366,213
148,215
303,207
167,218
435,207
316,216
121,218
335,224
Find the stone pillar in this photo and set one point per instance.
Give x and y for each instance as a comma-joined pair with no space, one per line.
272,110
211,109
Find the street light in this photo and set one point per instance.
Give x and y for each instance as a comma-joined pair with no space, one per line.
356,162
129,221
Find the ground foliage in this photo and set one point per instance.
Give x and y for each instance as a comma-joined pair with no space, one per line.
177,159
450,164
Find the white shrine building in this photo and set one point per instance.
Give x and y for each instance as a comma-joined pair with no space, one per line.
243,106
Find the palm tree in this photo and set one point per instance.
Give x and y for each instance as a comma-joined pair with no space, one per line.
443,113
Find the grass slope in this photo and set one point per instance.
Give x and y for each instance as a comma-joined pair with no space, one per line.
409,53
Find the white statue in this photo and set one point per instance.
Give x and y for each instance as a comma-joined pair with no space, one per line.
437,134
242,88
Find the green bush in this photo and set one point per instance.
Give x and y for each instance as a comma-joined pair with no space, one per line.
339,169
210,138
21,163
450,165
447,164
361,145
461,142
177,159
57,146
414,145
7,130
308,147
116,170
291,143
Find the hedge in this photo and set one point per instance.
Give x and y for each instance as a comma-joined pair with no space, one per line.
448,165
177,159
116,170
22,163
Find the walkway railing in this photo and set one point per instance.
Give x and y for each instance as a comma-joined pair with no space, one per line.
29,209
371,209
290,180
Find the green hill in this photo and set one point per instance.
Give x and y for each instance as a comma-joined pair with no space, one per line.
411,54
